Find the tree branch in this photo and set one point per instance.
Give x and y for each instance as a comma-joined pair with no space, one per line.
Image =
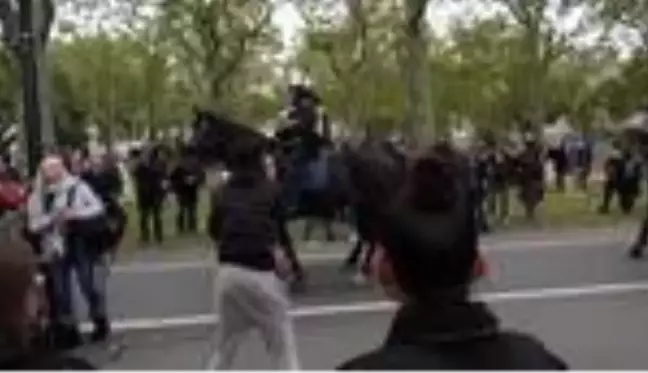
49,14
241,49
10,25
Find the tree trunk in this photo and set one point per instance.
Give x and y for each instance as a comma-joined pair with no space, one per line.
416,115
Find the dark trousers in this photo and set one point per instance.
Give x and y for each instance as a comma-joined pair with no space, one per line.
88,268
151,212
625,197
639,246
480,209
499,202
186,219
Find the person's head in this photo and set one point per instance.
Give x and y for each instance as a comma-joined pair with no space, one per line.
19,292
427,240
53,169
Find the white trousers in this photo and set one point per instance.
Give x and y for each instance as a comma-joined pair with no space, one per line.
249,300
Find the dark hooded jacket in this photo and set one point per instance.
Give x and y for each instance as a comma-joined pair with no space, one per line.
244,220
454,336
431,240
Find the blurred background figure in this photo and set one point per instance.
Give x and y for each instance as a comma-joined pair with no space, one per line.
187,178
64,214
22,300
151,184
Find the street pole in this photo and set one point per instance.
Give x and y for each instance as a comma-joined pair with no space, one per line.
38,126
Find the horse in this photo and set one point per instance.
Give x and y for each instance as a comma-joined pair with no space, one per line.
351,174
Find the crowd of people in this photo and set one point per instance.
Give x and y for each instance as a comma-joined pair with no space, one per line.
424,255
75,219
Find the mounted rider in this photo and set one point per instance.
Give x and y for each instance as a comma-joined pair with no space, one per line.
303,140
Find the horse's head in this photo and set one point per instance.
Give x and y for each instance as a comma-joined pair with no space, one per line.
214,137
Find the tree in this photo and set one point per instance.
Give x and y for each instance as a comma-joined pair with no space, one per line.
417,98
210,41
544,43
350,52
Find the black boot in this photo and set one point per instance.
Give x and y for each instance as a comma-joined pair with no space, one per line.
636,252
101,330
66,337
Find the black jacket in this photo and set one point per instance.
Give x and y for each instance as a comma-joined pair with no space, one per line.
457,336
107,183
244,220
149,181
187,177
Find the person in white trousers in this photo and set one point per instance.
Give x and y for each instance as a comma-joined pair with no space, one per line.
250,295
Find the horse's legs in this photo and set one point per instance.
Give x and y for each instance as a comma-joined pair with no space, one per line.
328,227
366,264
286,242
352,260
308,229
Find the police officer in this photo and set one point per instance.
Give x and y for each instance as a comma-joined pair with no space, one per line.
186,179
425,259
307,133
530,169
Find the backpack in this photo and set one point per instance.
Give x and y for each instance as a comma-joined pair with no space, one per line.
97,231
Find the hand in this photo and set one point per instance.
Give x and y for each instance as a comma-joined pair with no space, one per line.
281,263
67,214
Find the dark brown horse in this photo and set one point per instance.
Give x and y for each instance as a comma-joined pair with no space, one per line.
358,177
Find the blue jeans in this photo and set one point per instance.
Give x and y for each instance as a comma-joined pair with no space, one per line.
90,273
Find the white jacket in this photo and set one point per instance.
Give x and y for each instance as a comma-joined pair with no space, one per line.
85,205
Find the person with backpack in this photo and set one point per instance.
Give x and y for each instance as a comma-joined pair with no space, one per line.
67,218
106,181
425,260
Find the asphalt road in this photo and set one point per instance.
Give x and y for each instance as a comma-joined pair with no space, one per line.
590,333
154,289
579,293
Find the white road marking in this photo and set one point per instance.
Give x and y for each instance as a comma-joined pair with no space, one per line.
142,324
313,258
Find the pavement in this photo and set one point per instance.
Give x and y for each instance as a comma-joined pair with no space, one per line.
577,291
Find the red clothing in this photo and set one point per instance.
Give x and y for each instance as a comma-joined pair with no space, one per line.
12,195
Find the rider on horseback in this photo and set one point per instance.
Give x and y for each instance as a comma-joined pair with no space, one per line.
302,142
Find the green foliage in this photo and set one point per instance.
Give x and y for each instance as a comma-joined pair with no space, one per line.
138,66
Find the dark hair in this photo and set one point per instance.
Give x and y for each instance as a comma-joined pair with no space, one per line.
432,187
429,231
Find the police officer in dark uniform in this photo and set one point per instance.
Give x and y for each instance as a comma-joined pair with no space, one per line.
425,261
302,140
622,178
530,168
151,179
186,179
484,165
638,133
